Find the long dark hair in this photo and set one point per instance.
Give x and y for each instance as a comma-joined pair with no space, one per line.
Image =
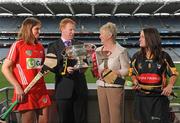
153,44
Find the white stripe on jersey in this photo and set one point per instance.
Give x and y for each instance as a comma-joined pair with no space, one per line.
22,76
11,51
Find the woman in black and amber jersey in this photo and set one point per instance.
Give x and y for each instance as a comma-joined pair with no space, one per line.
149,69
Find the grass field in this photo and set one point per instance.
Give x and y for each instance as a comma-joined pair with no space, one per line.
90,79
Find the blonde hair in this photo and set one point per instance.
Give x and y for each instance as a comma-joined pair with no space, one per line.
110,28
65,21
25,31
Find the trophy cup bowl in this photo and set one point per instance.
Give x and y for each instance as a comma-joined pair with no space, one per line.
80,52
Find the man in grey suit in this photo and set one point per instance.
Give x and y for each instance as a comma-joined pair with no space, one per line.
70,87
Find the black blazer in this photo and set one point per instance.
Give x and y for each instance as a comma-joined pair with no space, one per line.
66,85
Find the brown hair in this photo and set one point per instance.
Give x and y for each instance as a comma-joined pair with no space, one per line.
65,21
153,43
25,32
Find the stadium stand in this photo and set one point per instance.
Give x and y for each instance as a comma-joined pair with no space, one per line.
173,54
92,24
88,30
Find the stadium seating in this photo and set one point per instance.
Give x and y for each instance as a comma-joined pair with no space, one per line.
92,24
128,30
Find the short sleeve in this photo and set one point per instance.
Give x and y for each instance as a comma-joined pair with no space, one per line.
171,69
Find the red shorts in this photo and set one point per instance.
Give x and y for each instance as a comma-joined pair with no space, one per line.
33,101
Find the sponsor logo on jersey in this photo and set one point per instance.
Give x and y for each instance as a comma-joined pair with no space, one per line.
33,63
149,78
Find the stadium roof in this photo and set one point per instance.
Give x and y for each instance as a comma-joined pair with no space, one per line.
89,7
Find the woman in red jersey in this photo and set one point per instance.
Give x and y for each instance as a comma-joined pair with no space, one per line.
21,65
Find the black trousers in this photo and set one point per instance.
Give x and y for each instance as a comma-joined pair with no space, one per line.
73,110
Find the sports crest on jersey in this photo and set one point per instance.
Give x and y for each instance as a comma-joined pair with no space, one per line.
28,52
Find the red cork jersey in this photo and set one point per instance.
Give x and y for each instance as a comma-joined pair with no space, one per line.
28,59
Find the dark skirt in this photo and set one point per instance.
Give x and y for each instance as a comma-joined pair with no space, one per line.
151,108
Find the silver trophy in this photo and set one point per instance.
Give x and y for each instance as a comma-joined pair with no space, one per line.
79,52
102,56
